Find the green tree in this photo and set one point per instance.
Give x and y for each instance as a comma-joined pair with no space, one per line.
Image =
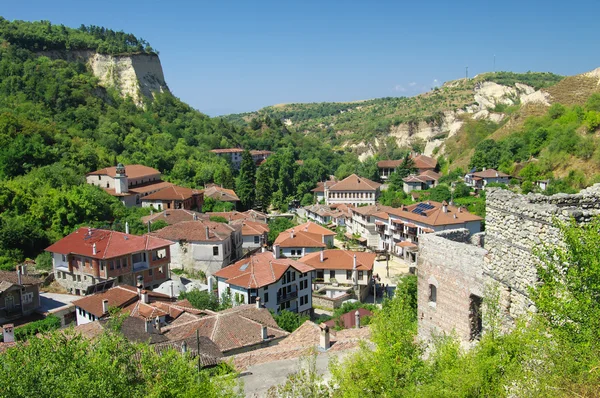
246,181
203,300
277,226
289,321
440,193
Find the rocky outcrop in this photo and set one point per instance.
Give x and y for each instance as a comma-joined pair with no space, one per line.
135,75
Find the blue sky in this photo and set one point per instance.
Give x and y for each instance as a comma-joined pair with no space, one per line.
236,56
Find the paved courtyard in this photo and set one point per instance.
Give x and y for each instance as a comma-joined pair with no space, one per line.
53,301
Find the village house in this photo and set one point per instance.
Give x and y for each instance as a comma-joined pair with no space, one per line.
332,216
128,183
422,164
202,245
362,224
132,301
353,190
250,215
399,229
221,194
174,197
254,234
90,256
234,156
275,283
174,216
303,239
19,294
319,191
426,180
343,267
479,179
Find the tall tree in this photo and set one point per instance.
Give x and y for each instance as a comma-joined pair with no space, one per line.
246,181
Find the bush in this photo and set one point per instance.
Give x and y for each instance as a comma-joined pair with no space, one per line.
51,322
289,321
218,219
204,300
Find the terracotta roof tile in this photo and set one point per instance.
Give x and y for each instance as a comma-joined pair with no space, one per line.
11,277
421,162
222,194
196,231
313,228
355,183
340,259
109,244
174,216
434,216
259,270
299,239
132,171
252,228
173,192
116,296
227,150
490,173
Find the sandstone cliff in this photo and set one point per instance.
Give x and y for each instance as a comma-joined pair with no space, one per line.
136,75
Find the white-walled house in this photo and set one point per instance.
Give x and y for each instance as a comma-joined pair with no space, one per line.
345,266
254,233
480,179
303,239
354,190
277,283
203,245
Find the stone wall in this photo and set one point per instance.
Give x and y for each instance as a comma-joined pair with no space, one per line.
518,224
448,261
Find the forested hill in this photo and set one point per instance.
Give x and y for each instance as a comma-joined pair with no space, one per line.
360,121
57,123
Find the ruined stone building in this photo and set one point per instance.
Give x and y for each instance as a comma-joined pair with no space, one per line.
455,268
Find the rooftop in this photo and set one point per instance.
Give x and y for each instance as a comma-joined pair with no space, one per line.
355,183
174,216
340,259
421,162
173,192
222,194
251,228
433,214
292,238
259,270
11,277
196,231
132,171
227,150
489,173
109,244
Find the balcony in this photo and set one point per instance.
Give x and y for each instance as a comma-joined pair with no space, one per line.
140,266
287,297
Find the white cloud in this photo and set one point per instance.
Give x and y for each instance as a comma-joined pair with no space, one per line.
412,84
400,88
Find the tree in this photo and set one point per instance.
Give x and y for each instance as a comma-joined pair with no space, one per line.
440,193
277,226
368,169
246,181
461,190
289,321
203,300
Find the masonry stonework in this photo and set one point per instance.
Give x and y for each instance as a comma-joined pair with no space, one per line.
454,267
504,258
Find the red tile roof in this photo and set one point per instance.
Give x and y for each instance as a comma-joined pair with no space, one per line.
173,192
227,150
348,320
174,216
405,243
196,231
340,259
222,194
299,239
355,183
259,270
235,328
435,216
490,173
11,277
132,171
109,244
116,296
252,228
313,228
321,185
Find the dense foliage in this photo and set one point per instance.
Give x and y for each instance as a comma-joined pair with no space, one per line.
43,36
289,321
536,80
203,300
51,322
68,365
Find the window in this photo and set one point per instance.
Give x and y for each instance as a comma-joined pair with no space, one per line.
293,276
266,300
99,178
27,298
78,278
256,239
432,294
64,258
120,279
332,274
306,299
475,319
360,275
101,265
348,275
293,252
64,275
111,265
215,250
74,279
150,272
118,262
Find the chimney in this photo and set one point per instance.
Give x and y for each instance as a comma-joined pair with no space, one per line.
454,215
148,325
276,251
105,306
323,238
210,280
127,227
258,302
445,206
460,209
292,233
206,229
23,269
144,296
354,263
89,231
140,285
195,217
497,174
484,169
322,255
264,333
19,275
172,289
324,338
9,333
357,319
94,252
157,324
263,249
184,347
